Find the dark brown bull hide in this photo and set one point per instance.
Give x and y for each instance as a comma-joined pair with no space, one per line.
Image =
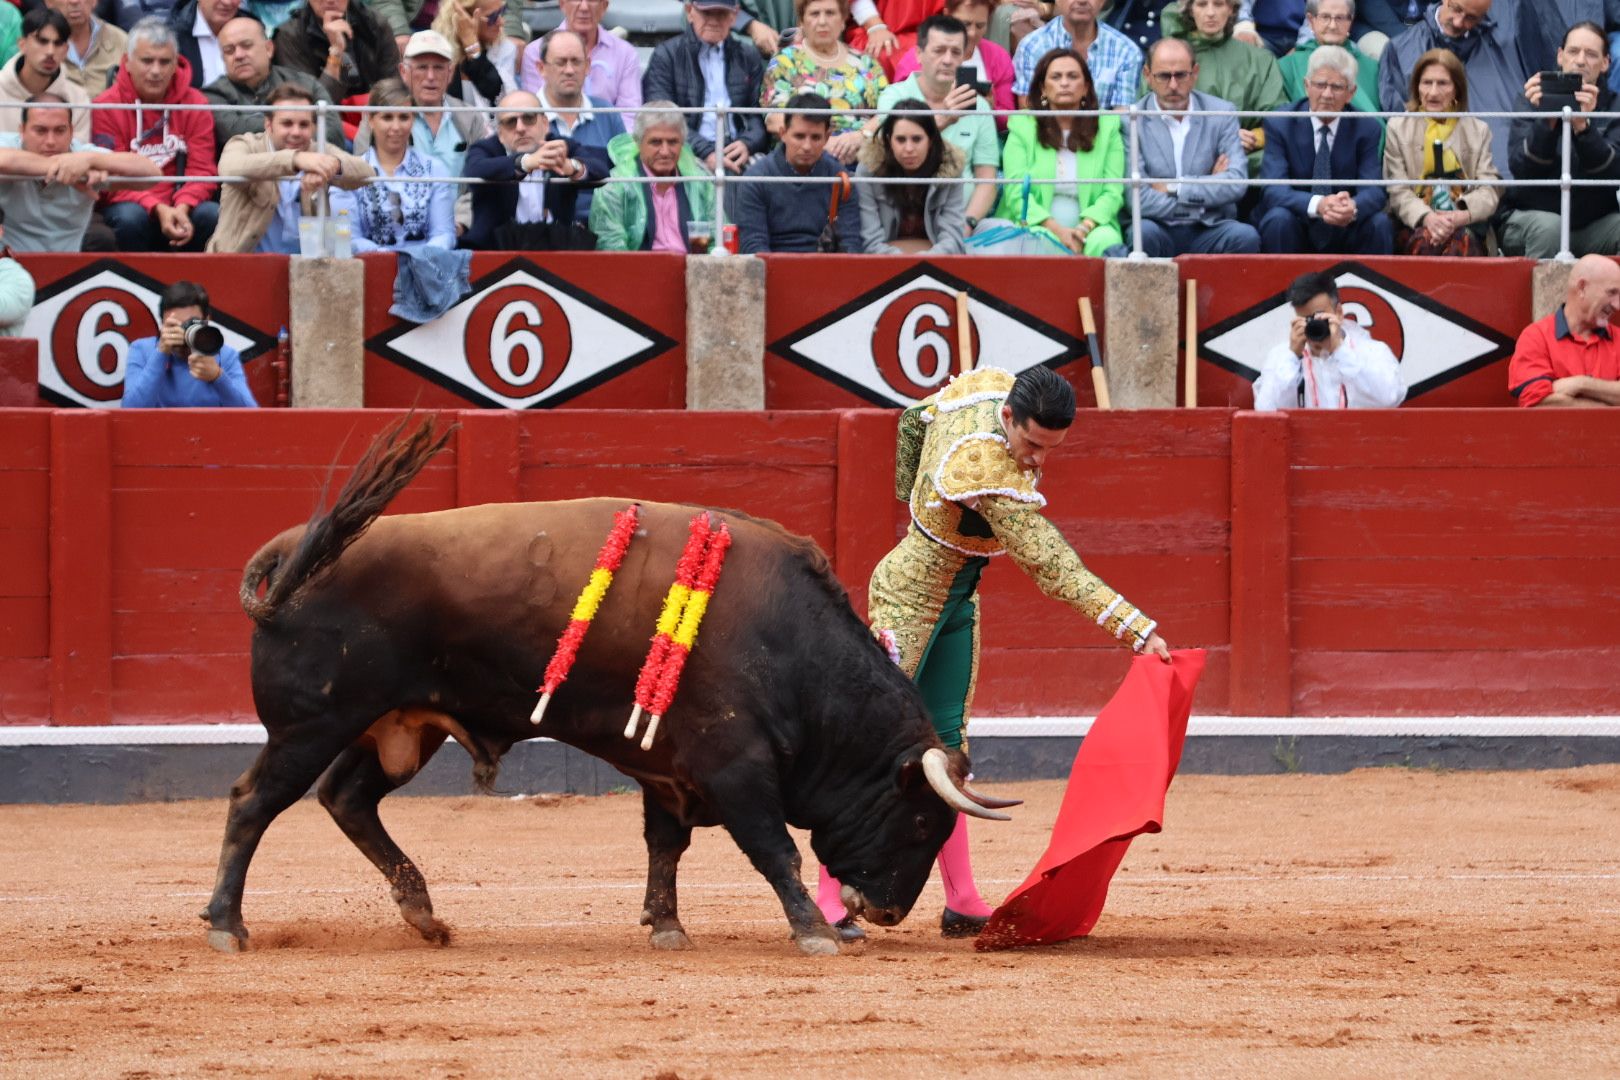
375,642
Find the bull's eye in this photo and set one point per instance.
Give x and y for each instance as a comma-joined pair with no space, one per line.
922,827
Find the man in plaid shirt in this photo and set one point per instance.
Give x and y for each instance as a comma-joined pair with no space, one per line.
1115,61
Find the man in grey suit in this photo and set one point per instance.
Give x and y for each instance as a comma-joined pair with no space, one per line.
1178,218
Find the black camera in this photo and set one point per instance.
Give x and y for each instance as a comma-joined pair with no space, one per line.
1318,328
1558,91
202,337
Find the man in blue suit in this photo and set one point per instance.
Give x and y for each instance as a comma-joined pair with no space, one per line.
1180,218
1323,144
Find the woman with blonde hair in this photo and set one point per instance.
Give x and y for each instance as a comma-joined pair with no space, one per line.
1432,216
818,62
485,58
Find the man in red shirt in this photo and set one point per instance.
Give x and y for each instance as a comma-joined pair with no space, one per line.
1572,357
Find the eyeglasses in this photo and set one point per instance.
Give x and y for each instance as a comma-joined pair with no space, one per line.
528,119
1331,20
495,17
1165,78
1333,88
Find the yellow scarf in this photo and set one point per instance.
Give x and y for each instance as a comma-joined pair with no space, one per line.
1438,131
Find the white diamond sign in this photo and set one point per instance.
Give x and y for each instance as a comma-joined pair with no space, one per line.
1433,343
897,343
85,323
521,338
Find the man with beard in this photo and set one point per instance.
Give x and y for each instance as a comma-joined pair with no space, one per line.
39,69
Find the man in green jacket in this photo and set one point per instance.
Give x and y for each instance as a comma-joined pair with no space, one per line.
633,216
1330,21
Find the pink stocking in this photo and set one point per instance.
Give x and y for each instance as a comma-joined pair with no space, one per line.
956,873
827,898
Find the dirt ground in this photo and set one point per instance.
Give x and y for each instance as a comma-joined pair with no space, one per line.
1389,922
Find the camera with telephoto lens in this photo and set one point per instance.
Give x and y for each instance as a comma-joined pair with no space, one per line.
1318,328
202,337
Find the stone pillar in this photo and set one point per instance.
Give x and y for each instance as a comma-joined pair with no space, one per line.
1548,280
328,332
1142,330
725,332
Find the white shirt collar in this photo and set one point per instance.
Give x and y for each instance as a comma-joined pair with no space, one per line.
199,26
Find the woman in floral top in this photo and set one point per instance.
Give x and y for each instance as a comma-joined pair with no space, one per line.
389,214
819,63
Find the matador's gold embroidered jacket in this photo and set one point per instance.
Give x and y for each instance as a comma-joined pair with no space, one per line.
970,498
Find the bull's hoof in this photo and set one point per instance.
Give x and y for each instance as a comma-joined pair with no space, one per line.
671,940
815,945
227,942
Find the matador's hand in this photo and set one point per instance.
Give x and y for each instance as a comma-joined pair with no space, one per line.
1156,647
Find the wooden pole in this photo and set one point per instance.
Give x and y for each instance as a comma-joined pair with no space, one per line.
1191,376
1099,376
964,334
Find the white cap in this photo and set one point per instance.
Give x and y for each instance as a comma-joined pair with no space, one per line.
428,43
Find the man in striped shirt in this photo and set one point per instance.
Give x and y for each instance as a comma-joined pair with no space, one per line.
1115,61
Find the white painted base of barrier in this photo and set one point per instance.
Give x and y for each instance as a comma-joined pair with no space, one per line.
985,727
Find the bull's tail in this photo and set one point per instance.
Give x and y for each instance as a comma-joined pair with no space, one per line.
389,464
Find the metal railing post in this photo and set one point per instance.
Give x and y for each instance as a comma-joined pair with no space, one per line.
1136,187
1565,139
321,209
717,244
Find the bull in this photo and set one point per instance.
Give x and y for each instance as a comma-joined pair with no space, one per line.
376,639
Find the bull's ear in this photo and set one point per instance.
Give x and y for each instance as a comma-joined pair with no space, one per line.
909,776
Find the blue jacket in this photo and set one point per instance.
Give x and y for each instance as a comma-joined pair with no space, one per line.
156,380
790,217
496,204
1291,154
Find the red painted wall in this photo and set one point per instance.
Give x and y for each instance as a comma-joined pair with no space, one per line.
1386,563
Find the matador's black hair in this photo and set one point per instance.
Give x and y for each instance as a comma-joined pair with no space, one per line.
1042,395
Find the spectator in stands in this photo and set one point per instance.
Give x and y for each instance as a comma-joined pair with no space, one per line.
705,66
1329,362
818,62
992,63
1181,219
438,133
1081,218
286,178
1232,70
1531,226
1437,218
39,69
1498,59
196,25
95,46
179,142
651,217
404,17
572,115
1330,22
130,12
552,170
164,373
395,212
1113,58
1571,358
797,216
941,45
486,59
615,67
342,43
1324,144
16,288
51,211
911,218
250,78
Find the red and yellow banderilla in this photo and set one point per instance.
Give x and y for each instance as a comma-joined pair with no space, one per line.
696,575
590,599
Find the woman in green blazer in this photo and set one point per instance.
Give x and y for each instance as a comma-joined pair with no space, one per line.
1079,217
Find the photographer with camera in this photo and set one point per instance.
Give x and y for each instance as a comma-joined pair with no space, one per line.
1330,362
188,365
1531,228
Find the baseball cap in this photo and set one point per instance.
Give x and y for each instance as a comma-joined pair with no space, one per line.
716,4
428,43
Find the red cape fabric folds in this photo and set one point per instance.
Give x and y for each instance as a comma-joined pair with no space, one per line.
1116,791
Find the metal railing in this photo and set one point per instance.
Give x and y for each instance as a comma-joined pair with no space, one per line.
1132,118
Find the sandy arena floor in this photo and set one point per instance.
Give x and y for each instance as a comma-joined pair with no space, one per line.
1386,923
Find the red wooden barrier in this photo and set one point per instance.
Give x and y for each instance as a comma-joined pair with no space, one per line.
1451,322
1428,562
19,373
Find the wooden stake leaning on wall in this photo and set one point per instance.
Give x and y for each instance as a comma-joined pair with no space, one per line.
1099,377
964,334
1192,344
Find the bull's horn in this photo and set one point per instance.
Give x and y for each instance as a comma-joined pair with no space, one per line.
936,766
989,800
